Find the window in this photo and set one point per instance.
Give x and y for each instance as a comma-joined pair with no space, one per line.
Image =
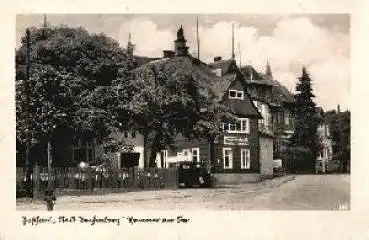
218,72
245,158
125,133
244,125
227,158
240,125
286,118
84,152
234,94
186,152
195,154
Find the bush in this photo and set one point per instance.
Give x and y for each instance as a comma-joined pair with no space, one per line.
299,160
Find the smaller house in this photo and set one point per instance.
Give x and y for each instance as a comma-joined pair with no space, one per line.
325,137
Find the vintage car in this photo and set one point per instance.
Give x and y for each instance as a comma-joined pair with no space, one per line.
332,166
193,174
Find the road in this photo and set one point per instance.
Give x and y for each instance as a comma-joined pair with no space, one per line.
301,192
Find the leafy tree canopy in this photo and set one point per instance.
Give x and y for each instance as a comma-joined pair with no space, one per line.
69,86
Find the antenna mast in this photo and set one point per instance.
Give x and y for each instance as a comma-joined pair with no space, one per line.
197,36
45,21
239,47
233,56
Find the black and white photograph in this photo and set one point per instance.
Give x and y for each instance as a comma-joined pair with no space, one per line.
182,112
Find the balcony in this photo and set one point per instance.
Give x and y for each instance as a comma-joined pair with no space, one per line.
279,128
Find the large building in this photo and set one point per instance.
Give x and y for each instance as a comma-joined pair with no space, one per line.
241,148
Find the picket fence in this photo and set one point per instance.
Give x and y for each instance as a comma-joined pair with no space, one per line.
73,180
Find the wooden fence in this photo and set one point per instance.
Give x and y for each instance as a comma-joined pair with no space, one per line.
72,180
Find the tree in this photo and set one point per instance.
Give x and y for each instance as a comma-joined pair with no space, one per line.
339,125
307,119
169,100
69,84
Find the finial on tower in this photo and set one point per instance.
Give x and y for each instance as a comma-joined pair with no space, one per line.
268,70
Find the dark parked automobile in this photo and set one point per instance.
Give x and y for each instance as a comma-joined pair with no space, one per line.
193,174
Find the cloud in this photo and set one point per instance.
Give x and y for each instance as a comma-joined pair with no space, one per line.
289,43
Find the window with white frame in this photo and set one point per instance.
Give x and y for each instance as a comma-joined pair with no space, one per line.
245,158
227,158
195,154
239,125
235,94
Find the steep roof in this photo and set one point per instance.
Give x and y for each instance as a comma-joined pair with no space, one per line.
222,64
254,77
139,60
185,64
222,84
209,83
281,93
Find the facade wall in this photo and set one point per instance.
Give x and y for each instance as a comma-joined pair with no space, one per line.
266,156
252,146
249,148
137,143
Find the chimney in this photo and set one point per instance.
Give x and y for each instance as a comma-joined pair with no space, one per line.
168,53
217,59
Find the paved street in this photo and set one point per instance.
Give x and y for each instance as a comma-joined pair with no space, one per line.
302,192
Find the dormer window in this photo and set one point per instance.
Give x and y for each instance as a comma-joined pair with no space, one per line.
235,94
218,72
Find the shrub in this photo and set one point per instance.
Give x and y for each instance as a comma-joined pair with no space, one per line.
299,160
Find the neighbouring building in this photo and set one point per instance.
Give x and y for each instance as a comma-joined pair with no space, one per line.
275,103
325,154
259,92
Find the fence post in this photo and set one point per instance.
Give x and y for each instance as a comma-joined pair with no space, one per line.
89,179
135,177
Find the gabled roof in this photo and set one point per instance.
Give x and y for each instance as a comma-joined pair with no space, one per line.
186,64
139,60
254,77
222,64
221,84
281,93
209,83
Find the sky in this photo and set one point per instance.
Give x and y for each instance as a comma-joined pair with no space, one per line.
320,42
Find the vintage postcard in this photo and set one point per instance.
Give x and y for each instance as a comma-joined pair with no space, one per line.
181,122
